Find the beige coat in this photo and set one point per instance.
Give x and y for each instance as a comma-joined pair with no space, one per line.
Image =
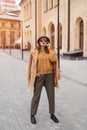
31,72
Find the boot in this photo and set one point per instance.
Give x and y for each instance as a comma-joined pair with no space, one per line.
33,120
54,118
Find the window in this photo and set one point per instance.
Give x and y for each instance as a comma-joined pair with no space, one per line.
81,35
3,24
12,25
50,4
60,36
12,37
30,11
45,5
55,2
3,38
52,34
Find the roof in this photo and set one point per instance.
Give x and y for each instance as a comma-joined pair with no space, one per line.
10,16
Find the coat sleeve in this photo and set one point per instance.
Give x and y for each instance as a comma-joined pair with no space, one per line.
29,68
56,73
52,56
59,76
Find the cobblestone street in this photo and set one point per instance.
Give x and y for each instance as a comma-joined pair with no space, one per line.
15,97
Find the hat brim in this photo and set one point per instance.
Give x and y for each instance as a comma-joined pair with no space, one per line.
47,38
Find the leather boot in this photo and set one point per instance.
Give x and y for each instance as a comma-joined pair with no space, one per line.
54,118
33,120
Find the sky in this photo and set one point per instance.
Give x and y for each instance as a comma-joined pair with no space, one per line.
17,1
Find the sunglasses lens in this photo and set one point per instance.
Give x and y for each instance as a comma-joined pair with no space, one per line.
43,40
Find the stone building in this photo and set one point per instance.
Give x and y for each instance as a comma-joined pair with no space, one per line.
10,29
8,5
40,17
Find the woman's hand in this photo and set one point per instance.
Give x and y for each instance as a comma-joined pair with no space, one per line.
55,81
37,74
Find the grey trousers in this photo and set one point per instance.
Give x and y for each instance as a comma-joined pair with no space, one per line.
40,81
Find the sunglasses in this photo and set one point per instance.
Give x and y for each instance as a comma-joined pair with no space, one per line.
43,40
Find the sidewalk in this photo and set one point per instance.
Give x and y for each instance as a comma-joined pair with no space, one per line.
15,97
75,70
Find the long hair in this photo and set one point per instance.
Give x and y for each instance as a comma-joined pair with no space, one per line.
39,48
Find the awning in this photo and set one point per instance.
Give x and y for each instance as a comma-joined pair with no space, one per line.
19,41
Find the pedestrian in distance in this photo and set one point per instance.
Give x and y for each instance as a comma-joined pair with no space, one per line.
43,71
29,46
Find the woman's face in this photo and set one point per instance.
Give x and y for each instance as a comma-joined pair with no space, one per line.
43,42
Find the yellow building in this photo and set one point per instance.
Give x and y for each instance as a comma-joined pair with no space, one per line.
10,29
40,17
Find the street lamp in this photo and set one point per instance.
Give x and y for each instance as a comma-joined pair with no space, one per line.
68,48
58,48
35,22
22,38
10,45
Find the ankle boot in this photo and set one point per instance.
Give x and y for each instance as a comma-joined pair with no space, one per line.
33,120
54,118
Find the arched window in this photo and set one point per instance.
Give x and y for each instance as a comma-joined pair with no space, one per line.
52,36
55,2
81,35
44,31
45,7
30,11
24,12
50,4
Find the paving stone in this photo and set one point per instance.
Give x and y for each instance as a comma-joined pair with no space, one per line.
15,96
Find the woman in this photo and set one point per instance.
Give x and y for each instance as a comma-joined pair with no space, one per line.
43,71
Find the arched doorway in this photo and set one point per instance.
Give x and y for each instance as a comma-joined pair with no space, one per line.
51,30
60,36
79,34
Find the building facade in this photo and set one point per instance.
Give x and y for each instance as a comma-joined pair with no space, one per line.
8,5
10,30
40,17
